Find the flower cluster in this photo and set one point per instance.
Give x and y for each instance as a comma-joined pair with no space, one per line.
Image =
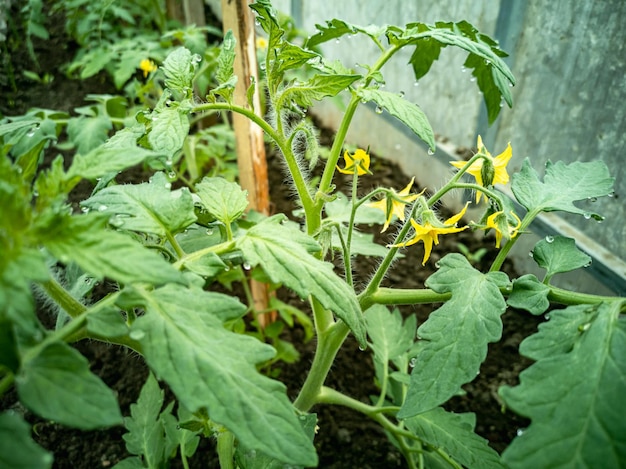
486,169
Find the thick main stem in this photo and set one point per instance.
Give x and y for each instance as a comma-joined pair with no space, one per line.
329,343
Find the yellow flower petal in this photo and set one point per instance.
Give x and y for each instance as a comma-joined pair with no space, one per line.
359,162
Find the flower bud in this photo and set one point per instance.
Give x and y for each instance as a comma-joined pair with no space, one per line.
487,172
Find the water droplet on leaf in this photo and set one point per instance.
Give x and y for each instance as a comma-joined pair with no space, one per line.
587,215
417,83
431,151
549,239
379,110
102,208
520,431
401,94
412,362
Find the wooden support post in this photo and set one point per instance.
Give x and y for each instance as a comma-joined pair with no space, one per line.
237,16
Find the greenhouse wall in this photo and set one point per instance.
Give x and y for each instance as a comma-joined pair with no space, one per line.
569,60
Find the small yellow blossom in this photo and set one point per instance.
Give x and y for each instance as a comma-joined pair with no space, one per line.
500,176
359,162
430,229
394,203
500,223
147,66
261,43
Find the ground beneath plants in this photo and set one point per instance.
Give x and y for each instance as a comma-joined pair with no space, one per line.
345,439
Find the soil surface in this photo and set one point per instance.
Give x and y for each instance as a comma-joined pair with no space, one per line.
345,439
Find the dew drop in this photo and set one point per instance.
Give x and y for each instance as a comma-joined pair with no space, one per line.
531,254
587,264
412,362
196,59
84,209
520,431
587,215
546,316
379,110
502,103
154,118
116,221
171,175
209,232
487,62
168,162
102,208
168,102
416,84
463,70
401,94
437,264
31,132
397,147
246,266
363,101
431,151
510,85
168,185
473,79
362,348
262,65
337,41
549,239
257,22
611,194
592,199
137,334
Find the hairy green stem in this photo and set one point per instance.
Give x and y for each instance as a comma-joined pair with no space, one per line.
6,382
226,449
392,296
63,298
298,179
329,343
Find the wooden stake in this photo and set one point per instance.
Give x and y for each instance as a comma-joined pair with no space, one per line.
237,16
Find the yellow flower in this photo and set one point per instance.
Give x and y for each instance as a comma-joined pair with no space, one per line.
394,203
261,43
147,66
500,223
430,229
359,163
496,167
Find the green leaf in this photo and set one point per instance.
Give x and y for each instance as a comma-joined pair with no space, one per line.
253,459
335,29
225,73
87,133
454,338
493,75
573,392
56,384
148,207
185,344
559,254
104,253
104,160
130,463
454,434
107,322
17,449
179,71
340,208
317,88
170,127
390,337
290,57
410,114
284,253
529,294
225,200
145,435
563,184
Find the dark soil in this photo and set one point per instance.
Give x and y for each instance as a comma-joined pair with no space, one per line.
345,439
